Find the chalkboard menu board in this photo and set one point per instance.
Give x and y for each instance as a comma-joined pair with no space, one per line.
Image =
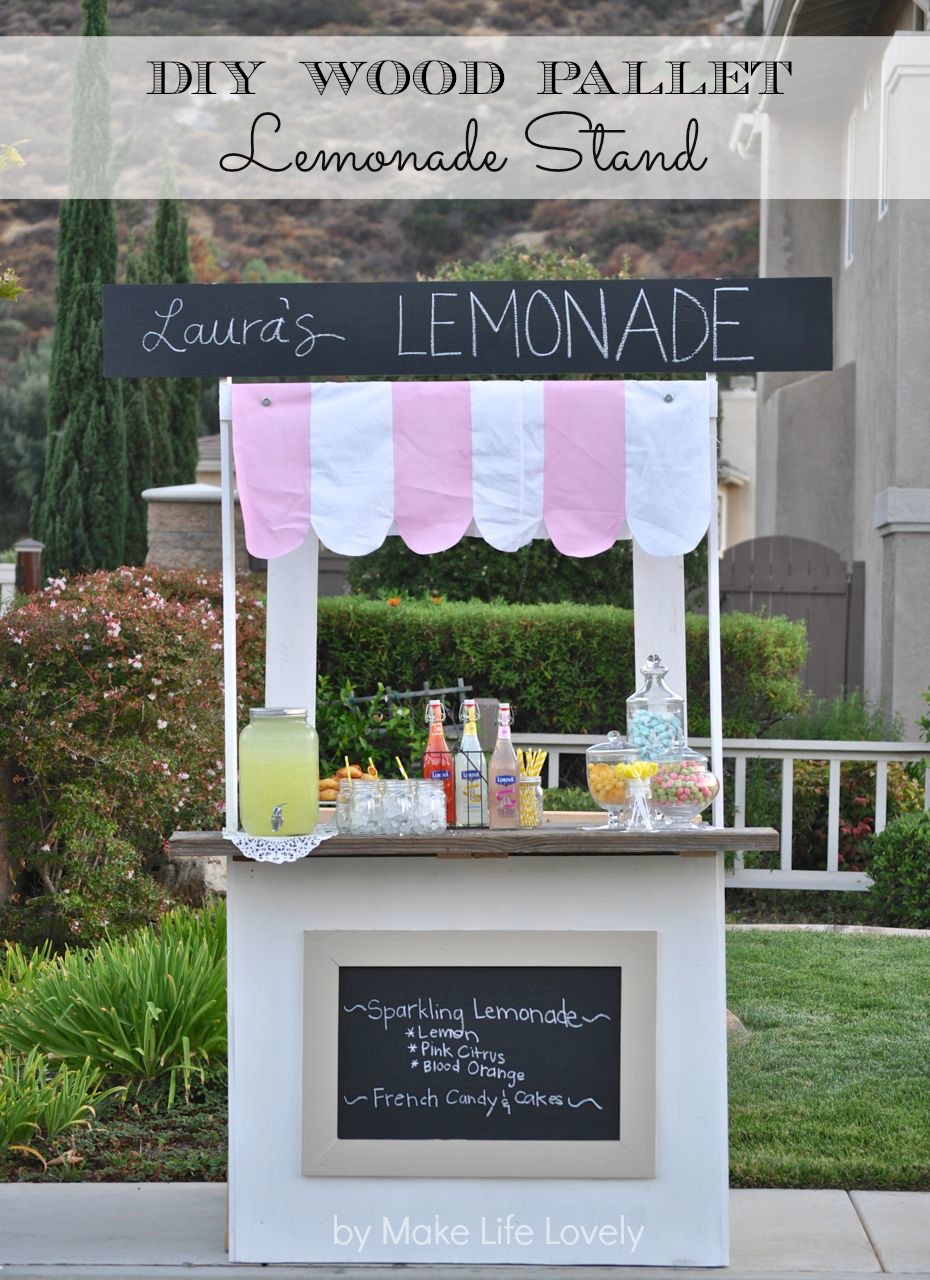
479,1053
479,329
511,1052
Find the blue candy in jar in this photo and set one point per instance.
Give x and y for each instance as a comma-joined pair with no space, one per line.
655,714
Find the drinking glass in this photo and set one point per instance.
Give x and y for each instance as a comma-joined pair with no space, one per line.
364,807
430,806
398,813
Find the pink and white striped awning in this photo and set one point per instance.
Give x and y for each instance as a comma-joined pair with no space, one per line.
582,463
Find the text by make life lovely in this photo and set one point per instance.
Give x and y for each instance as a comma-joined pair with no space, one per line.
504,1230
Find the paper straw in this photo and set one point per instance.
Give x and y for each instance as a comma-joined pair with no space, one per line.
403,771
348,769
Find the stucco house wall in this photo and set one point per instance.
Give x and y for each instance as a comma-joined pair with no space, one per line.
844,458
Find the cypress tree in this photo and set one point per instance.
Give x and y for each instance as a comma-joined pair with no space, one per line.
140,447
80,511
175,406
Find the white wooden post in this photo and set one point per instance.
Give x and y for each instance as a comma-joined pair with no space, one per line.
881,795
833,818
713,610
659,615
228,526
290,628
787,811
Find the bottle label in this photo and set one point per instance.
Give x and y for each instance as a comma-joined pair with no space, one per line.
470,775
505,779
506,802
442,774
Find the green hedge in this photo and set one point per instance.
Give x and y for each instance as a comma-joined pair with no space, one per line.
568,668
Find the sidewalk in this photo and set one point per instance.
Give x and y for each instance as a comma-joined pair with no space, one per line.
167,1230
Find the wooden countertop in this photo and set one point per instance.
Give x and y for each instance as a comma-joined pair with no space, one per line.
560,834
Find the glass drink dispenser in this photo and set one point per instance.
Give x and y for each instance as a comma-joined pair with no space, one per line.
279,773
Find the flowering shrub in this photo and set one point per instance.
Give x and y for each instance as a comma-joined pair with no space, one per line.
857,808
111,721
811,803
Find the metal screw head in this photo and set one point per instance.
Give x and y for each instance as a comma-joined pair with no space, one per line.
668,398
266,400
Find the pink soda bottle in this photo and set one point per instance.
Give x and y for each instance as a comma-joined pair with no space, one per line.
503,777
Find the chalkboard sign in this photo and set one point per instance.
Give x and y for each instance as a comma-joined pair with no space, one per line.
464,1053
482,1053
479,329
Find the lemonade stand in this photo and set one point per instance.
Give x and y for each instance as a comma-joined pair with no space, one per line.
477,1047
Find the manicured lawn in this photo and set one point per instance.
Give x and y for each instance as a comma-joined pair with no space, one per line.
832,1088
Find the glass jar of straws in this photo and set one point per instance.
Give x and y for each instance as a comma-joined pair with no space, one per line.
531,791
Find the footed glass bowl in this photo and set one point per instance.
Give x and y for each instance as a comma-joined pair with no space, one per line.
683,787
608,787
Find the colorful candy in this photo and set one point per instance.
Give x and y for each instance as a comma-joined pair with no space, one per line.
637,769
653,733
685,785
607,785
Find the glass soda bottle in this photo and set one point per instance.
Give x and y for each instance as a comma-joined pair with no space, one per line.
437,758
503,777
471,785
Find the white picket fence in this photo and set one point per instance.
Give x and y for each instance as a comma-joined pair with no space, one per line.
7,585
739,750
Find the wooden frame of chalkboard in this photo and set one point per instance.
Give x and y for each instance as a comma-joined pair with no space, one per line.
373,1034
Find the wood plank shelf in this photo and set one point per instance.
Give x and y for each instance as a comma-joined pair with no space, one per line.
555,838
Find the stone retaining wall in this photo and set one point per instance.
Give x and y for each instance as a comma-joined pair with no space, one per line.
185,531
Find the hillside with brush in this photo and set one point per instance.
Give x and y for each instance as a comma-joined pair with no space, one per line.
374,17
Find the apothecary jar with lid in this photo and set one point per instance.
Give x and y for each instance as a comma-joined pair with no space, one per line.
655,715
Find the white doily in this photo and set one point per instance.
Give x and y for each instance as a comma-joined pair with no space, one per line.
279,848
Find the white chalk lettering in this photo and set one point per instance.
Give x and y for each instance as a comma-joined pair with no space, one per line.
676,358
599,342
510,305
561,1016
541,293
434,323
652,327
718,323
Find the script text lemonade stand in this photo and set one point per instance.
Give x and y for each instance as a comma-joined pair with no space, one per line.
482,1047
